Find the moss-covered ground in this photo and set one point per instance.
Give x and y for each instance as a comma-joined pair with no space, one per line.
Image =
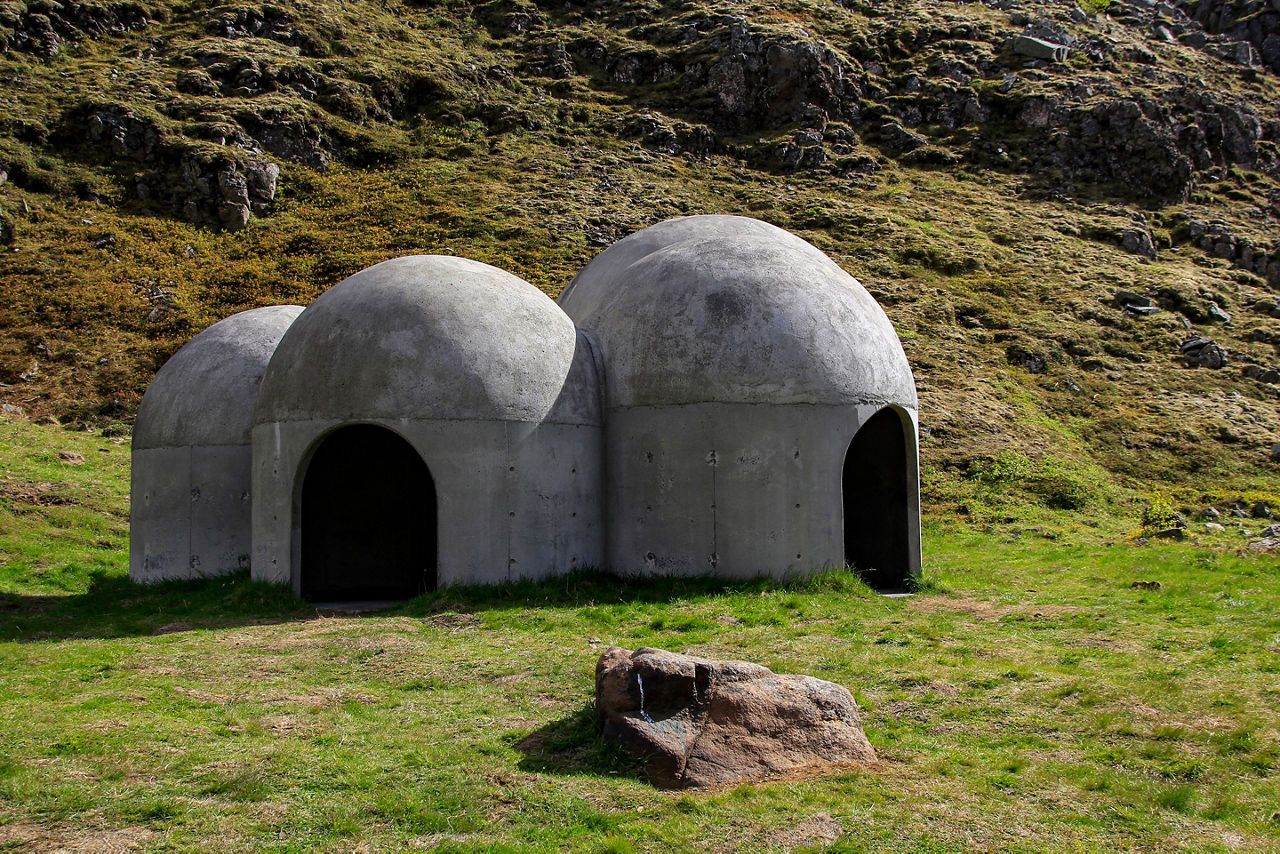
1027,698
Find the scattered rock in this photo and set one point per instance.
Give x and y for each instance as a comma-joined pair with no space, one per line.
1271,376
1214,527
1171,534
1271,531
1239,512
1260,510
1204,352
1275,453
8,410
1139,242
1216,312
71,458
1146,585
697,722
1267,544
1211,513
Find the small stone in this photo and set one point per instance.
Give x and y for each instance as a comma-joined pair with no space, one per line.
1216,312
1212,357
1193,345
1171,534
1271,377
1146,585
1214,527
71,458
1211,513
1275,453
1261,511
1268,544
1251,372
10,411
1239,512
1271,531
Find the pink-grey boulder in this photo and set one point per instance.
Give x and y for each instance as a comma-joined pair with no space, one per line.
696,722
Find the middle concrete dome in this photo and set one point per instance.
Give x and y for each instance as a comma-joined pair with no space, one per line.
428,421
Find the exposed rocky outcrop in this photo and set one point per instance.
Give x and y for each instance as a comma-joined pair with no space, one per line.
210,184
44,27
696,722
1251,24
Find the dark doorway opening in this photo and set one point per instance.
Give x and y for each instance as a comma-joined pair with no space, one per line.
876,540
368,519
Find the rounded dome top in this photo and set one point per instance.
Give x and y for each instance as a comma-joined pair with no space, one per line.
423,337
730,309
205,393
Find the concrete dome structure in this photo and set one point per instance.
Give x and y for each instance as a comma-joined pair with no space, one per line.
430,420
192,452
760,411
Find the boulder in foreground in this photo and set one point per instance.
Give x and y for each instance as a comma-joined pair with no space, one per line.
697,722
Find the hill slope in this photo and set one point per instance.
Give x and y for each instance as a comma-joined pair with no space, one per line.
171,163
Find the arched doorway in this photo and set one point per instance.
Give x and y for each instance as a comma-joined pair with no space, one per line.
368,519
876,520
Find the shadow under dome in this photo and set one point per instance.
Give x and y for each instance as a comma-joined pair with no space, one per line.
205,394
424,337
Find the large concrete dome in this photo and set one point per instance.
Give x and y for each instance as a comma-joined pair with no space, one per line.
760,411
205,394
192,452
729,309
423,337
428,421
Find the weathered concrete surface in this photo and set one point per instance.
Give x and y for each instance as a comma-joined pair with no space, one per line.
191,462
483,375
428,337
739,362
1040,49
736,490
737,311
697,722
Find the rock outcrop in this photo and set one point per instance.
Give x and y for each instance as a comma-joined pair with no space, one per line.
697,722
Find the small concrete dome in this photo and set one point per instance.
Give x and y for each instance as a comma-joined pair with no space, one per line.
192,451
729,309
205,394
424,337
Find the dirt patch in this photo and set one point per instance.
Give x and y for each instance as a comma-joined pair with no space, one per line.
452,622
44,494
34,837
986,610
816,830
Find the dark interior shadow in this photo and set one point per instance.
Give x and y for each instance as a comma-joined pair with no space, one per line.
113,606
571,746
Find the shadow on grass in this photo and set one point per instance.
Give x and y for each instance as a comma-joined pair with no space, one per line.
572,747
113,606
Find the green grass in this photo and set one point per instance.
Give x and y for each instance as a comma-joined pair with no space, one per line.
1026,699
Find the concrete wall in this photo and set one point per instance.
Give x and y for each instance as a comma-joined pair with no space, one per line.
515,500
190,514
734,490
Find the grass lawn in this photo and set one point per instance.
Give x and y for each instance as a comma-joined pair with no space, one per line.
1028,699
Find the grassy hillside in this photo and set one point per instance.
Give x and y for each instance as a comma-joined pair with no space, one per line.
171,163
1029,698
